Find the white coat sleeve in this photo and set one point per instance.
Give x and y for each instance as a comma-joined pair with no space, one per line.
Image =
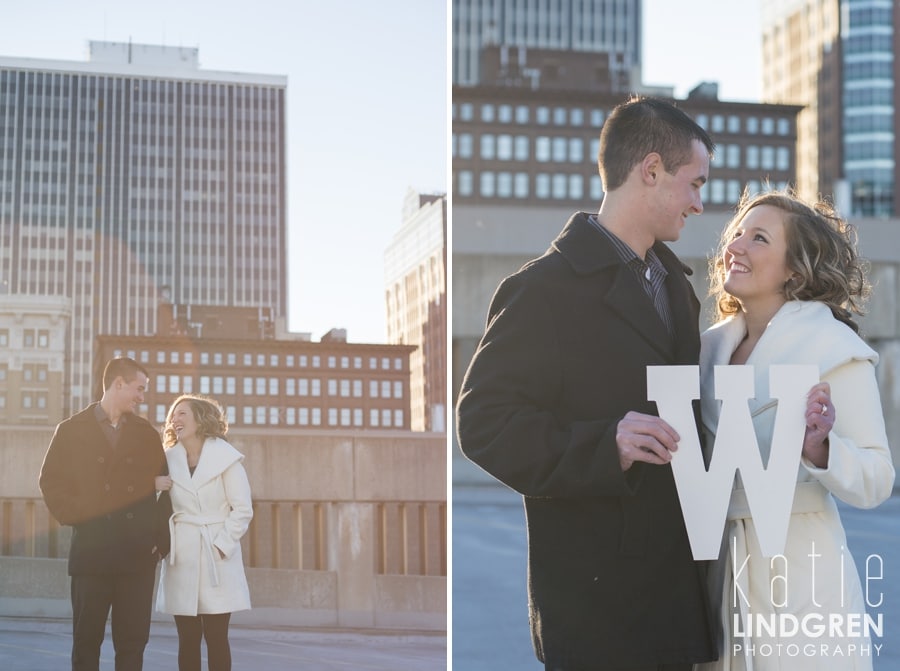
859,470
237,494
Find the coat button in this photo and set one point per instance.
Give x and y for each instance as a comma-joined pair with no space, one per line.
129,516
130,489
129,460
101,460
106,487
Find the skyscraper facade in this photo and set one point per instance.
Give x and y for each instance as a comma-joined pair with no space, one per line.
416,293
136,178
599,26
836,58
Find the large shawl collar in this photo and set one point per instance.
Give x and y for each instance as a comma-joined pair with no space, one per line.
215,458
799,333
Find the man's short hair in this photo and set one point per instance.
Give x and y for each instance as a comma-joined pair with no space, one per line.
124,367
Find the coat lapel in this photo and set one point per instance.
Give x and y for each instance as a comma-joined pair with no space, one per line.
589,252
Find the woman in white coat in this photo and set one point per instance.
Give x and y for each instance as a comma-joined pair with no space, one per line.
203,580
786,279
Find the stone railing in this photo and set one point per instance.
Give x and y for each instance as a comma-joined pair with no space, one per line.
349,530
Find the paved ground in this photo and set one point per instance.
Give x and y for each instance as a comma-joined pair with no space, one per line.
490,620
44,645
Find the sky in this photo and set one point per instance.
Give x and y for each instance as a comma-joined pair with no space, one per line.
693,41
367,118
367,107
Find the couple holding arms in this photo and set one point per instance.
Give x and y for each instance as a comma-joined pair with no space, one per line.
554,405
132,503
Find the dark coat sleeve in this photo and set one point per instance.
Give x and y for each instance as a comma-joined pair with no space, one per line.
507,418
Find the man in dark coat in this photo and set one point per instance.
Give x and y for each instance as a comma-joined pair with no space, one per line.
99,477
554,405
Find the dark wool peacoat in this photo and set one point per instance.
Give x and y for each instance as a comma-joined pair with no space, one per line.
611,579
107,495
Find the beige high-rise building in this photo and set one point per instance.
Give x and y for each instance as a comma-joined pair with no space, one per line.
801,66
416,294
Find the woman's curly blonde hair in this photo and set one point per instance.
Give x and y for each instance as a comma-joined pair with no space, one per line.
209,415
821,253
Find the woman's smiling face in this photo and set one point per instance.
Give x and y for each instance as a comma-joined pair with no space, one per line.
756,258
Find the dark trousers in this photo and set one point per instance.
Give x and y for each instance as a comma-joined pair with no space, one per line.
213,628
130,597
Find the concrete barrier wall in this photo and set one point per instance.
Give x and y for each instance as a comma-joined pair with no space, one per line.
380,529
490,243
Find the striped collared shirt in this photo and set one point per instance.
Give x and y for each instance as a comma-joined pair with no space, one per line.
650,274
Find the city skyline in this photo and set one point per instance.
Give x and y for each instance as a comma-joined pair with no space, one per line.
366,122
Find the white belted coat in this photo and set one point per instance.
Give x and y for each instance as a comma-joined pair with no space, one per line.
859,472
211,511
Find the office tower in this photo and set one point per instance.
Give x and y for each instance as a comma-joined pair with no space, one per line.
136,178
598,26
416,292
836,57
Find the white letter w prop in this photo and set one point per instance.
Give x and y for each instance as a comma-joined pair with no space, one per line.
704,495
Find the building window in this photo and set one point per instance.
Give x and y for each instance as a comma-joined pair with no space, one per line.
345,388
230,385
316,387
160,413
596,118
576,117
733,156
357,389
302,361
273,386
345,416
173,384
385,389
542,149
248,386
520,185
332,417
373,388
290,387
317,416
217,384
487,146
504,113
542,115
559,149
316,361
487,112
768,158
576,150
303,416
784,127
260,386
290,416
782,158
752,125
717,191
752,157
504,184
160,384
260,414
398,389
768,126
522,114
373,417
576,187
466,111
385,417
733,191
718,123
486,189
357,417
273,416
542,185
173,357
248,359
398,418
734,123
303,387
560,115
464,183
520,148
559,186
504,147
357,362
